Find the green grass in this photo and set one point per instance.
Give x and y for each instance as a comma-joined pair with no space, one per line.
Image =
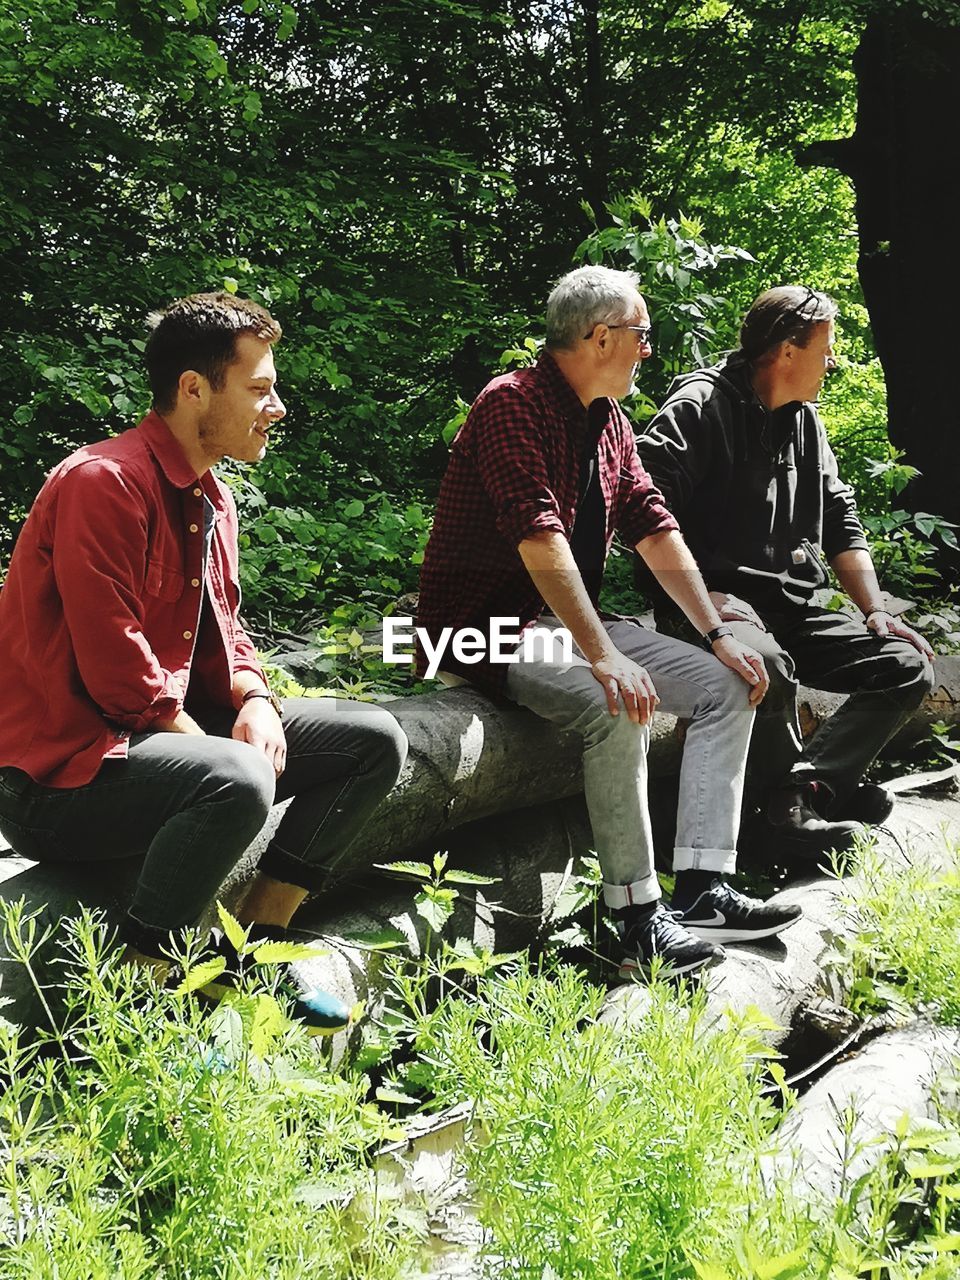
146,1139
905,947
604,1151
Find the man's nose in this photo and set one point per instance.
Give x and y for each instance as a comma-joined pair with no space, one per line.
276,408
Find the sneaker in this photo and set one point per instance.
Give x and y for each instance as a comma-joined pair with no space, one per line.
721,914
659,934
868,803
797,827
318,1011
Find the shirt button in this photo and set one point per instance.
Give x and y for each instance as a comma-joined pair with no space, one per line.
198,493
194,582
188,635
194,528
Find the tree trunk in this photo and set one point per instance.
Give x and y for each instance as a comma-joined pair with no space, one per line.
596,159
903,161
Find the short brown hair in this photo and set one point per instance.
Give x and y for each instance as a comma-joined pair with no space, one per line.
200,332
788,313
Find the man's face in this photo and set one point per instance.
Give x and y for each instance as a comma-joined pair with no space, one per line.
628,351
239,415
809,364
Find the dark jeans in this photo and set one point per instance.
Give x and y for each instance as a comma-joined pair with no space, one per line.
887,681
191,805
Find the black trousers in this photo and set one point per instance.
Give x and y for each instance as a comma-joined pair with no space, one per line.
189,806
886,679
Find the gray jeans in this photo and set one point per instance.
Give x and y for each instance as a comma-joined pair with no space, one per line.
690,683
190,806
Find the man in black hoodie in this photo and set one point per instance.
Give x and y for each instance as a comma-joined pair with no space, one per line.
743,461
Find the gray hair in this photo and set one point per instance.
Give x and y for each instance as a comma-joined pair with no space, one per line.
589,296
788,313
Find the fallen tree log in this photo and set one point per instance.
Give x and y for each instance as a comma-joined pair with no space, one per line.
473,764
471,757
848,1121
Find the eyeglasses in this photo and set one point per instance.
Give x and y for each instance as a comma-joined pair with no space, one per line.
643,331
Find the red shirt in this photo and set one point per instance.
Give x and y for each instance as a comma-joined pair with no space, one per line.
99,617
513,472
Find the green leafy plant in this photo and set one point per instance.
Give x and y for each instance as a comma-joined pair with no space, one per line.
887,961
594,1143
145,1136
691,323
416,984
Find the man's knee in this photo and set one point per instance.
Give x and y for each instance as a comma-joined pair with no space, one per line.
917,677
595,725
386,743
779,665
783,682
241,775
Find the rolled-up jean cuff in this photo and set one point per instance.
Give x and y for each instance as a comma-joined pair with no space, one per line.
723,861
282,866
150,939
637,894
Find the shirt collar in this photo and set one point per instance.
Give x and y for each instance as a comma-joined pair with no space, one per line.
567,399
167,450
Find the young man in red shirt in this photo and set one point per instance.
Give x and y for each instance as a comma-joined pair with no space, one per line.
138,720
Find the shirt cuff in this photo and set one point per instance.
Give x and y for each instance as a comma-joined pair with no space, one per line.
633,528
167,703
528,519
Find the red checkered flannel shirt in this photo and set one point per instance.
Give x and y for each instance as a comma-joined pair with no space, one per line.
514,472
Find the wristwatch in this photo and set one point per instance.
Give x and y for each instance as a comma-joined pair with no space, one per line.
270,696
711,637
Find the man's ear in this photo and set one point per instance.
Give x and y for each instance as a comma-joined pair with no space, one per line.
601,336
193,389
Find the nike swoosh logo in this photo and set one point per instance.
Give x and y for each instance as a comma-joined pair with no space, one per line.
718,918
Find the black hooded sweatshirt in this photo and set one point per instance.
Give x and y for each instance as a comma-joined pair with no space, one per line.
756,492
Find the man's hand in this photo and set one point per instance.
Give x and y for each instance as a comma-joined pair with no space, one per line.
732,609
885,624
621,677
258,724
746,662
180,723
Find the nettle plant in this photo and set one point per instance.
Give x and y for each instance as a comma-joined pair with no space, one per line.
417,985
691,323
903,543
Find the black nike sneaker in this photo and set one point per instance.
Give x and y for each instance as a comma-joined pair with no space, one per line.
658,933
721,914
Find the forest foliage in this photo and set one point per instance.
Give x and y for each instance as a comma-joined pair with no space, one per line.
400,184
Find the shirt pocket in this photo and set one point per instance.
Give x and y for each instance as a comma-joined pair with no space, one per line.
164,582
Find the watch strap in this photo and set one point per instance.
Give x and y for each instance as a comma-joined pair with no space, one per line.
270,696
711,637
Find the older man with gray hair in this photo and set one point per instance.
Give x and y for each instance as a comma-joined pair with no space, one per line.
542,474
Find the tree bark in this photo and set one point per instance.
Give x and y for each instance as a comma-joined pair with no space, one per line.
903,161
